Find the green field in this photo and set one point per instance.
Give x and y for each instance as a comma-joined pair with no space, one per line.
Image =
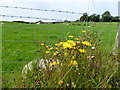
19,42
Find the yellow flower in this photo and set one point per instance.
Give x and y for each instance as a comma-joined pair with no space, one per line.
75,63
82,50
60,82
42,44
54,63
51,48
67,45
71,42
47,46
56,44
56,48
61,43
83,31
51,64
86,43
58,62
70,36
73,57
76,38
78,42
47,52
55,53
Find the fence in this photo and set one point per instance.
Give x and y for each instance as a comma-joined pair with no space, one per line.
20,40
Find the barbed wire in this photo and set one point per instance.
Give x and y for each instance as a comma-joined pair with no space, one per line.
31,17
42,9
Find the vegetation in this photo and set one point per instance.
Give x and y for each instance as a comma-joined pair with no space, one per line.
92,64
106,17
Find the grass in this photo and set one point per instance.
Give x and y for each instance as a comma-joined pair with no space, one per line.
20,47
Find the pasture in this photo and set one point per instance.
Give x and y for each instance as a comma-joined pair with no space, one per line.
20,42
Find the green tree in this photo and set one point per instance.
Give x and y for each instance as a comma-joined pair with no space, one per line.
94,18
115,19
84,18
106,17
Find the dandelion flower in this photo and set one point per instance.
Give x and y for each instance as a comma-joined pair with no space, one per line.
82,50
58,62
60,82
75,63
70,36
51,64
67,45
83,31
51,48
73,57
86,43
54,63
55,53
47,52
42,44
71,42
56,44
76,38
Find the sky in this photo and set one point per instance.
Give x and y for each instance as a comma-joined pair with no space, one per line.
78,6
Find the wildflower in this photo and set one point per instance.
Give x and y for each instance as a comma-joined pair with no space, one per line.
61,43
51,64
92,47
70,36
47,46
76,38
51,48
42,44
54,63
67,45
58,62
73,57
55,53
71,42
56,44
86,43
83,31
56,48
75,63
47,52
78,42
60,82
82,50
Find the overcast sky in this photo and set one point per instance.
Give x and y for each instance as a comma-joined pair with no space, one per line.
79,6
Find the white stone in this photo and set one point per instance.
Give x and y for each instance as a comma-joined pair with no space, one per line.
40,63
28,67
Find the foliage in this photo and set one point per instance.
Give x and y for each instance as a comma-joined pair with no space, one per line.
76,62
106,17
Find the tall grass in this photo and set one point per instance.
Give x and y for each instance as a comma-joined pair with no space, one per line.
97,72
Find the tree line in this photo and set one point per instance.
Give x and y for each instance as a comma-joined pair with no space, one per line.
105,17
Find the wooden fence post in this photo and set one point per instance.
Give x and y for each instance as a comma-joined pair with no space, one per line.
116,49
